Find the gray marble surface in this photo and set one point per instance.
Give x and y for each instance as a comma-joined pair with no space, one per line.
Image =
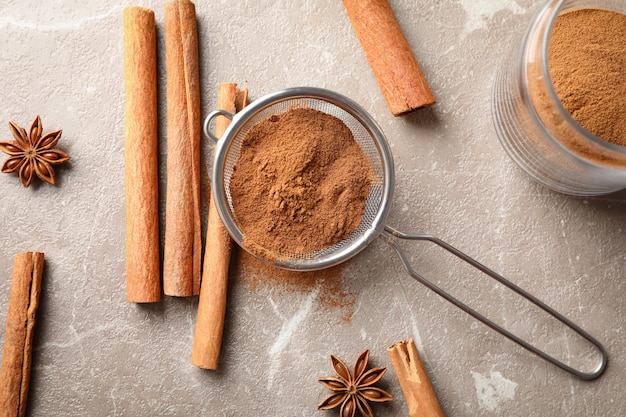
97,355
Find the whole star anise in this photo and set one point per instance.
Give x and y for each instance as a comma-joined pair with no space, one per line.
33,153
353,391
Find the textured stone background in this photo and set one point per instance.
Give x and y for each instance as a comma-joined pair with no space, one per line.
97,355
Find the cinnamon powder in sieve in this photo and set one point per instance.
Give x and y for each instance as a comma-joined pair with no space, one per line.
300,183
587,60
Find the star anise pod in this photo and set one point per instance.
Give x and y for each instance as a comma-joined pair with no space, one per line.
32,153
353,391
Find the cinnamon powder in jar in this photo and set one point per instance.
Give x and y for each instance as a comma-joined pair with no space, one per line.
587,64
300,182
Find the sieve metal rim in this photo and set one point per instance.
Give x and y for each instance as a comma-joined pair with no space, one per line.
239,120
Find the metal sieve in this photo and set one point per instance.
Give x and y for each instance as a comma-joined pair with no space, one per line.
365,131
373,143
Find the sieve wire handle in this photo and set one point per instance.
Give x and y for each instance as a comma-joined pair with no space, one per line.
388,235
209,119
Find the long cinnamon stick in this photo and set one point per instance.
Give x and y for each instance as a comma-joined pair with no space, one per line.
207,340
416,387
18,341
183,242
398,74
143,267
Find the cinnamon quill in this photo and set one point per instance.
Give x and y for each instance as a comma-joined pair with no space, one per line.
18,341
416,387
183,242
143,265
207,340
398,73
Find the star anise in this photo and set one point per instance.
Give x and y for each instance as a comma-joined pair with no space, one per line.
32,153
353,391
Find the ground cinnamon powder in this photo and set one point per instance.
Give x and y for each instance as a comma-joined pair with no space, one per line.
587,63
332,294
300,182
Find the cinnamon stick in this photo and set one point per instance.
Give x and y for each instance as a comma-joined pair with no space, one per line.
143,268
398,74
416,387
183,241
212,304
18,341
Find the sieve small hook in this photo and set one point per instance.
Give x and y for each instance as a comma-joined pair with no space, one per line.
209,119
388,235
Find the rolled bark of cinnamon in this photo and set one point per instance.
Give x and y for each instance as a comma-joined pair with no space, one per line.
416,387
18,341
183,242
398,74
143,267
207,340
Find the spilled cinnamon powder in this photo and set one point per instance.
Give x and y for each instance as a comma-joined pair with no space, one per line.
300,183
332,296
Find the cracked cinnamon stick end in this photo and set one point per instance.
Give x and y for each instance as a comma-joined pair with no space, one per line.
141,182
20,325
241,99
207,340
416,387
182,257
398,73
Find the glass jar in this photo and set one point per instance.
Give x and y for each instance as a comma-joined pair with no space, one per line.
534,128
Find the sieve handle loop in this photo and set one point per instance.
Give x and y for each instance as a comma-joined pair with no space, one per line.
209,119
389,234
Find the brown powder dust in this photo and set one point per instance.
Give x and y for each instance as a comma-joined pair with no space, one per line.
300,183
587,63
332,295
